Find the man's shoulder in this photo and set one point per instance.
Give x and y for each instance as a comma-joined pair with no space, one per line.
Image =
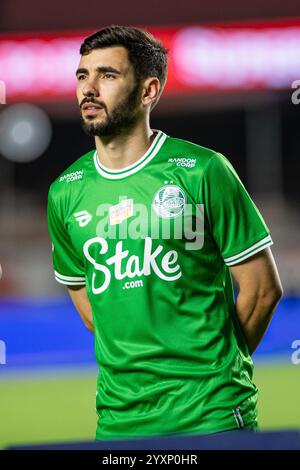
183,151
76,172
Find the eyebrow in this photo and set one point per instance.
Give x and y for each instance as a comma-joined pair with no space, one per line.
101,69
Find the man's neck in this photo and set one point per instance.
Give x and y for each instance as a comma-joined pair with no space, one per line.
125,149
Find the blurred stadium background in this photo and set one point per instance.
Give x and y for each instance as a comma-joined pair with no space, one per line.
231,87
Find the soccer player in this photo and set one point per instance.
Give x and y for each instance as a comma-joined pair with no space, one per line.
148,233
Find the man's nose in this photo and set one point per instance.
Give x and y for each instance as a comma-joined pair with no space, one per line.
90,88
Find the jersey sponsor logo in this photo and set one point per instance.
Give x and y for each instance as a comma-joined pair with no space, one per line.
169,202
121,211
183,161
165,266
76,175
83,218
133,284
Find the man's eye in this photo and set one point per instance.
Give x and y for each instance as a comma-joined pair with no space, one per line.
109,76
80,77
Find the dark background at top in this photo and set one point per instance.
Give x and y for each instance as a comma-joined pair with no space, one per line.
35,15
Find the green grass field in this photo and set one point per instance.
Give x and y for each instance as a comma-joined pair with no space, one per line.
62,408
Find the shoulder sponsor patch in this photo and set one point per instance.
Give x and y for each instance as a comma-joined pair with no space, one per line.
74,176
187,162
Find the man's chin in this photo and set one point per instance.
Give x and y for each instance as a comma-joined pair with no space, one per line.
94,129
91,118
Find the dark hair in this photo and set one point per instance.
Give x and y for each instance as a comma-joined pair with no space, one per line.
146,53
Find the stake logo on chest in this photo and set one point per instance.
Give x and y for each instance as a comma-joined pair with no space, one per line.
130,266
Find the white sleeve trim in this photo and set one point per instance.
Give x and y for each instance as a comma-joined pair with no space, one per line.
69,280
252,250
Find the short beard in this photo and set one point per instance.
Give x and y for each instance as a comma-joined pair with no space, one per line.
121,118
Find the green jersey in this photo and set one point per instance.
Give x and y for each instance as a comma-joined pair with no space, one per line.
153,243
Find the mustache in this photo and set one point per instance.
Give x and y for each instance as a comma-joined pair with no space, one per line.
92,101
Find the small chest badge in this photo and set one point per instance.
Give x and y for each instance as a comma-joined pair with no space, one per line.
169,202
120,211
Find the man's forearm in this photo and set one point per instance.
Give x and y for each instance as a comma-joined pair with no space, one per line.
254,314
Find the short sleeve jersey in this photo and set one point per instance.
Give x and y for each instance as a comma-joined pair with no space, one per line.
153,243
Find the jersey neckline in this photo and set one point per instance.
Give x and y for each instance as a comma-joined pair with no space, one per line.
136,166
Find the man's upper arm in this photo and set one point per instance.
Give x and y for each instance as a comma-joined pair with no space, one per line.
259,292
82,304
258,274
80,299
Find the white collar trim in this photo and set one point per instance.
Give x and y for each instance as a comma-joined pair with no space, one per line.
136,166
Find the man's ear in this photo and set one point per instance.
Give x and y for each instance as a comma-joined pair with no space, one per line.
150,90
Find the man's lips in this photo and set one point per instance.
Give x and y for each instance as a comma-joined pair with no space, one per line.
91,106
91,109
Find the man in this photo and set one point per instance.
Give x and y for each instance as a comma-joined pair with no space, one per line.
174,350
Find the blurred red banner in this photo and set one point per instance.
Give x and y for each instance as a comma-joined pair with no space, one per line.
236,56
